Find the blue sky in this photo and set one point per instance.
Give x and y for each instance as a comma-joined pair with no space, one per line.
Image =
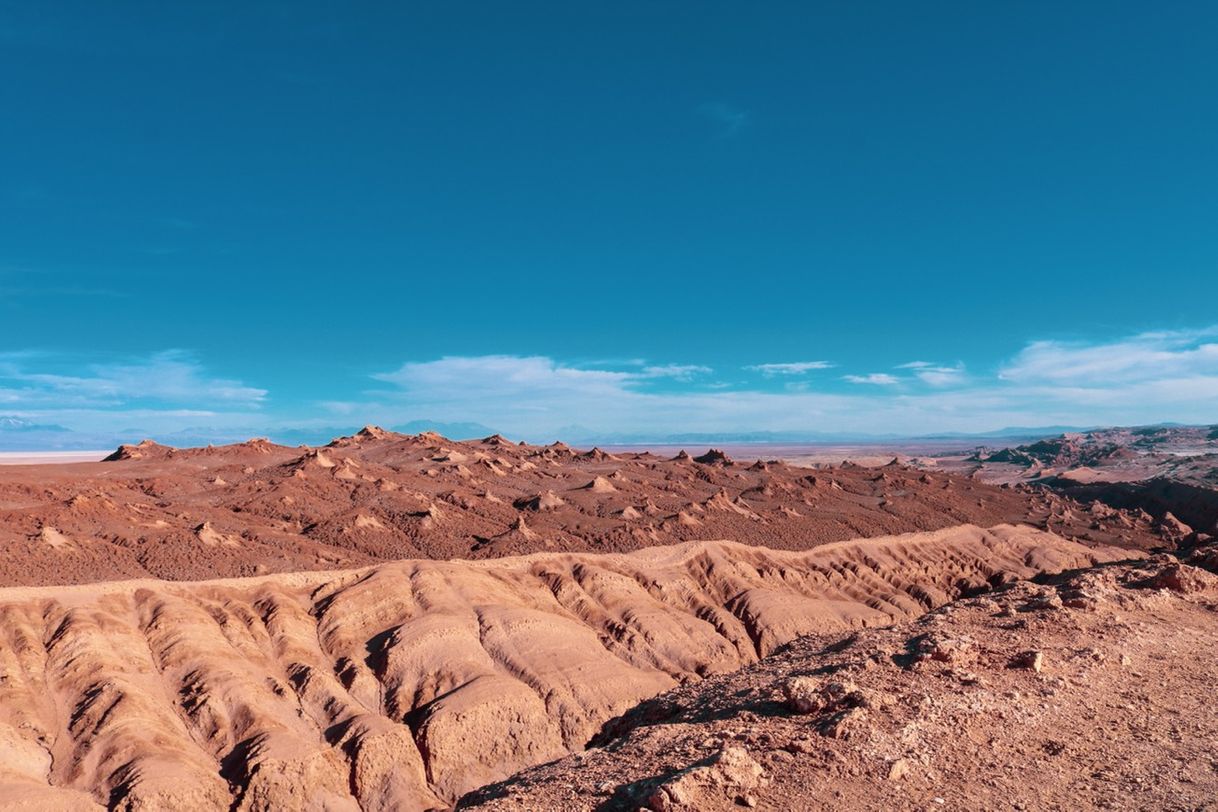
629,217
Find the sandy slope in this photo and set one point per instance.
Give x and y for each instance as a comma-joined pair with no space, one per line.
409,684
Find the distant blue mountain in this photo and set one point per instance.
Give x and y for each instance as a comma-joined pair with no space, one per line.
587,437
453,431
20,425
19,434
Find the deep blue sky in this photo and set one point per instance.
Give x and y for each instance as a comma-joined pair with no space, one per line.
293,198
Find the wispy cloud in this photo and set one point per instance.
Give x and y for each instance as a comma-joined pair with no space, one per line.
168,387
875,378
1139,379
25,282
728,120
935,374
792,368
1149,377
7,292
171,376
1155,356
537,377
678,372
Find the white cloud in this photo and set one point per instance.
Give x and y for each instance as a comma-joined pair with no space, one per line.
792,368
1144,357
342,407
166,376
1149,377
1145,378
535,377
935,374
1140,379
165,391
680,372
534,397
728,120
940,376
876,378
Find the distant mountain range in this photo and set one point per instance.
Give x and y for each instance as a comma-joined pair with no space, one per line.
321,436
578,436
21,426
19,434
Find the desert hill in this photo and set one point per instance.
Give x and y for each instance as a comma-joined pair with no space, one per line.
1088,690
1167,472
256,507
406,622
410,684
1185,454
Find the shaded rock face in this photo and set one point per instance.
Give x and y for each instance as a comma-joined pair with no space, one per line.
538,502
1178,508
1158,469
714,457
407,685
143,450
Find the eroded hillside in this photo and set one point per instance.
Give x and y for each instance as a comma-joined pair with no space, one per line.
1090,690
411,684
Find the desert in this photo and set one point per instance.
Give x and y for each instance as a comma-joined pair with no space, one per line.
256,507
608,407
400,621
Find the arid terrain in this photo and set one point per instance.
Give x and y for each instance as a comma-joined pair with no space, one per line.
1088,690
256,508
608,407
1186,454
1157,469
408,622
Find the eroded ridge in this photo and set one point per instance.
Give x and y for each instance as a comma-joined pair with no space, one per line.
406,685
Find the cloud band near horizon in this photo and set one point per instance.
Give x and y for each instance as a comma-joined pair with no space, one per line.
1144,378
